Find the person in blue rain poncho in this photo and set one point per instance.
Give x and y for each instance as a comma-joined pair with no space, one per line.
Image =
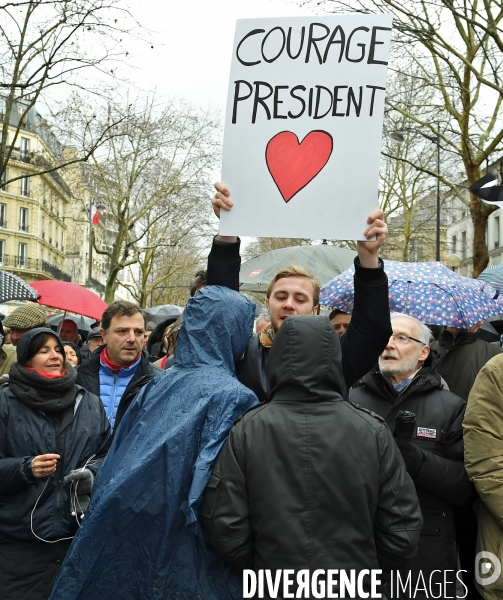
141,538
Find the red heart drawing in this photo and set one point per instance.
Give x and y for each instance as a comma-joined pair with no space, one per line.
293,165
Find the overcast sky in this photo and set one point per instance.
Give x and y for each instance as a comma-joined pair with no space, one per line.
191,57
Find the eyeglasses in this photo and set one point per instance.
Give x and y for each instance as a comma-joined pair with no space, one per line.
402,340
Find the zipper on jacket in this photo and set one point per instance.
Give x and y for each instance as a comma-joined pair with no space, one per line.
112,404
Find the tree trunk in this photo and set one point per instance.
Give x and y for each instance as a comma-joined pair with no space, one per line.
110,288
479,212
480,255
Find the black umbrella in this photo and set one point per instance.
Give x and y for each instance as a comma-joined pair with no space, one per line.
488,190
83,323
488,333
158,314
13,287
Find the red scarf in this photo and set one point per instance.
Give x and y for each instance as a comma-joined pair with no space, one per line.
105,359
47,375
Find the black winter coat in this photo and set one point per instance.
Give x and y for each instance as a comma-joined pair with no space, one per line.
442,482
362,344
88,376
26,433
462,358
308,481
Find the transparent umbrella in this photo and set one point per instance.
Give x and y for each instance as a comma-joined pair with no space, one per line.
323,261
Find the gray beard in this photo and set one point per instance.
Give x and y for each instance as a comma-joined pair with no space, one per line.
402,366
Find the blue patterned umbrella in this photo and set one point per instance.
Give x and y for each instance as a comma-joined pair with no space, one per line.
428,291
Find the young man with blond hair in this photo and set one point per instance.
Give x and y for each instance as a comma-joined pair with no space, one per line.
294,291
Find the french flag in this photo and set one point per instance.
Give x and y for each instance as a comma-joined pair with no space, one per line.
95,215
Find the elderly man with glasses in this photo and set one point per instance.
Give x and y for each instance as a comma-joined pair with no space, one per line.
406,390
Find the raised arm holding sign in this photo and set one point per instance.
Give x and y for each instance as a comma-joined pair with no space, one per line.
367,251
295,291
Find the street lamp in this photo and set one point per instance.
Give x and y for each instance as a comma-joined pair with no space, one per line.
398,136
101,207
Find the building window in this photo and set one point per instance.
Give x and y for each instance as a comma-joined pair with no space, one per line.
3,107
463,245
25,185
56,235
5,176
454,244
23,121
22,255
2,252
496,232
43,228
62,240
25,148
23,219
3,215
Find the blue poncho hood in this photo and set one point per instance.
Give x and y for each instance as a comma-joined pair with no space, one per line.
141,536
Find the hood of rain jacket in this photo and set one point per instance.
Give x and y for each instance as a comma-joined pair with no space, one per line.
296,373
141,537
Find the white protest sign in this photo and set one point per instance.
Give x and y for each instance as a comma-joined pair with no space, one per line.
303,125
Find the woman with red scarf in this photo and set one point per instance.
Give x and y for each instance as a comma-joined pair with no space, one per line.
53,438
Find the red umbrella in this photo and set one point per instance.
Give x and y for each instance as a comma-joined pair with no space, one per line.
69,297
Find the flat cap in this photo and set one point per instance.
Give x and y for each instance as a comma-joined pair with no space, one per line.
27,317
94,333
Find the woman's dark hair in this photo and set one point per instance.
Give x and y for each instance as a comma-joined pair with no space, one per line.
336,312
76,350
200,280
172,335
38,342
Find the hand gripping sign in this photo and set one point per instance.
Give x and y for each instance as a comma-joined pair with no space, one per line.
303,125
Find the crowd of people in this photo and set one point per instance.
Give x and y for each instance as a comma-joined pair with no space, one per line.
158,461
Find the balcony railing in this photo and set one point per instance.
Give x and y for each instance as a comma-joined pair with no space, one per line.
39,160
97,285
3,223
54,271
20,262
24,227
26,157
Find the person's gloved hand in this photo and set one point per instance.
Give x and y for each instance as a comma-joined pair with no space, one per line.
405,423
83,480
412,455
